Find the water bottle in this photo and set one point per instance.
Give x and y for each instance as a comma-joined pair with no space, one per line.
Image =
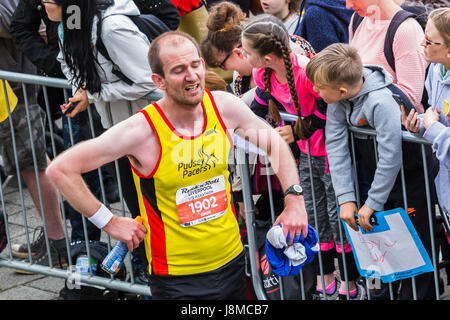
82,266
114,260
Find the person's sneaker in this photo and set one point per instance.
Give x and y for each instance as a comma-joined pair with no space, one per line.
58,255
330,293
359,295
37,246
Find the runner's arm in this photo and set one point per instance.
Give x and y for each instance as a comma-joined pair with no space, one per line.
238,117
66,170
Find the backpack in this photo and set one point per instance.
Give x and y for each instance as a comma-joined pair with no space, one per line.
156,18
419,13
75,291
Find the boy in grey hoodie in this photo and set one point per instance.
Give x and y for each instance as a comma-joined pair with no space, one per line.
361,96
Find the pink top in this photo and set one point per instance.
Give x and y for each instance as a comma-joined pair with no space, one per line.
410,63
306,97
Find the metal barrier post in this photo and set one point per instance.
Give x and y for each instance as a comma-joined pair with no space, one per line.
242,163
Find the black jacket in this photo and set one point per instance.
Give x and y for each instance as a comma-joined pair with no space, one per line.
25,29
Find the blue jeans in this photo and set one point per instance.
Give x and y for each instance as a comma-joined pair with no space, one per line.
81,131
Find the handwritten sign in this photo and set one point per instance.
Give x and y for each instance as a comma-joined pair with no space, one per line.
392,250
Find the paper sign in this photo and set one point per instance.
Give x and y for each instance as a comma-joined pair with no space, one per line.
12,99
392,250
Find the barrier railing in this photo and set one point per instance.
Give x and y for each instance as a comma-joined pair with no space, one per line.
241,162
28,265
355,133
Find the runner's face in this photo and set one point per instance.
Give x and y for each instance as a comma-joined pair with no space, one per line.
184,73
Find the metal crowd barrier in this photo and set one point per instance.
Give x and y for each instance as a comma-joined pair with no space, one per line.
74,279
243,163
129,285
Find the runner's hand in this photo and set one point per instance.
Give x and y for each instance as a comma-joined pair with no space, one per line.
293,219
126,230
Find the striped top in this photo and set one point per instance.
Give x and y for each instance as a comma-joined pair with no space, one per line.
410,63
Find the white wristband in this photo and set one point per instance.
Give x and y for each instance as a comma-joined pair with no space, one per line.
101,217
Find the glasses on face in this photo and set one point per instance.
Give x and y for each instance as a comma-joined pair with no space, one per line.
429,43
222,64
47,2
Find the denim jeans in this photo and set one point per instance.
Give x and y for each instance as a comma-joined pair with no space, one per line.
81,131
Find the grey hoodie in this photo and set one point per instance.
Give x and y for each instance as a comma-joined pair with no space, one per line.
375,108
128,48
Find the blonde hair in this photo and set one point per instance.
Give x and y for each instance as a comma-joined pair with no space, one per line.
441,19
335,65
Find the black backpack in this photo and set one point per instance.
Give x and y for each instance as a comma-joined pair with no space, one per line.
419,13
73,291
157,17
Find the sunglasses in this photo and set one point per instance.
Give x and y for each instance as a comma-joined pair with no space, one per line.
222,64
47,2
429,43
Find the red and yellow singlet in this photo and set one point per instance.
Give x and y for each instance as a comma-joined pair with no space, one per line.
186,200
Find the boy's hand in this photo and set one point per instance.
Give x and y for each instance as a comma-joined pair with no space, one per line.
347,213
364,215
410,122
431,115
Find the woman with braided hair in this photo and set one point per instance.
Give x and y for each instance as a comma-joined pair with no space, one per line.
282,85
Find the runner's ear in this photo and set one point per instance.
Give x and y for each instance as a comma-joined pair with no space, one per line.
159,82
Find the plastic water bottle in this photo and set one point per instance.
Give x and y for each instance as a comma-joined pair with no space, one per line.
83,266
114,260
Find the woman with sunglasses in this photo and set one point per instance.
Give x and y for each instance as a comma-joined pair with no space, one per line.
434,125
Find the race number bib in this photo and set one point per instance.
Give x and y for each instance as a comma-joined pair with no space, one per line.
202,202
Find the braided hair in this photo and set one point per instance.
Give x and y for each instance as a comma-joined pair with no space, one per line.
268,35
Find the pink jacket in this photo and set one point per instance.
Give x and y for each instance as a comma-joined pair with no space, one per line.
306,97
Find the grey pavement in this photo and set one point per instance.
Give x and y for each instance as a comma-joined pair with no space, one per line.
14,286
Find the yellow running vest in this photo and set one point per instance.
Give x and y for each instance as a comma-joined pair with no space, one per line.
186,201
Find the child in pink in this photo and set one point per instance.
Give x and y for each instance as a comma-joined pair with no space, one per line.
280,77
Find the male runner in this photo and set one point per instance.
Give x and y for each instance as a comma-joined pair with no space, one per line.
178,148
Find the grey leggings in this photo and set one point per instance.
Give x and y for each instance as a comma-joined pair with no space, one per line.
325,200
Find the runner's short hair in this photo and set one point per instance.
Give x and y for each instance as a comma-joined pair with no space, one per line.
176,38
